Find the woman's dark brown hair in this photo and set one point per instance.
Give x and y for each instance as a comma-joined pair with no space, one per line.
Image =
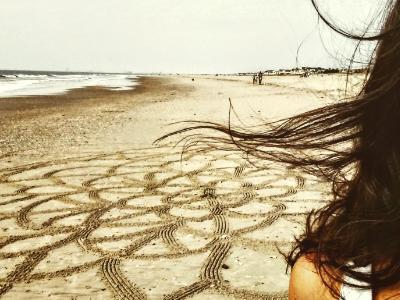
362,223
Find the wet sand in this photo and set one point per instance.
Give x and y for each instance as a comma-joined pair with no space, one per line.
91,209
44,124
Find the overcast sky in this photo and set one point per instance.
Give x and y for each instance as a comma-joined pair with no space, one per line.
191,36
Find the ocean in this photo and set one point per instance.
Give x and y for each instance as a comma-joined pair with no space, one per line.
31,83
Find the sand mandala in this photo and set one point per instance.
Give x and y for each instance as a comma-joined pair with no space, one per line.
144,224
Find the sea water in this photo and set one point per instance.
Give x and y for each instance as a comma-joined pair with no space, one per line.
13,84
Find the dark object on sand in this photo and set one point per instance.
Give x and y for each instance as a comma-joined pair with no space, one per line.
192,79
260,78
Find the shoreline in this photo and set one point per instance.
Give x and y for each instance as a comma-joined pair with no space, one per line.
108,119
16,103
26,85
74,122
49,123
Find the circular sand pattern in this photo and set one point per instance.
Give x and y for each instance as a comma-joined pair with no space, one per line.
148,207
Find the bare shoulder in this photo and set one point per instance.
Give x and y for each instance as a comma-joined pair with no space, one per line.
306,283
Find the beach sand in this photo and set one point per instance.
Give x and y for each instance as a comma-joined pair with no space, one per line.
92,209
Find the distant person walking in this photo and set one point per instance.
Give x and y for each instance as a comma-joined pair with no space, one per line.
254,78
260,78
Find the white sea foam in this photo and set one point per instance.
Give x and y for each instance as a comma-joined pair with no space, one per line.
30,85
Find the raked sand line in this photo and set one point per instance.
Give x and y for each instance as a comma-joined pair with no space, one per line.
148,208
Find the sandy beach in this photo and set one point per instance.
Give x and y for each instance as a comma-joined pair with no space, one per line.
92,209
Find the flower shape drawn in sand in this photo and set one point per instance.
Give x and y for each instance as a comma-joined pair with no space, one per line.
145,224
